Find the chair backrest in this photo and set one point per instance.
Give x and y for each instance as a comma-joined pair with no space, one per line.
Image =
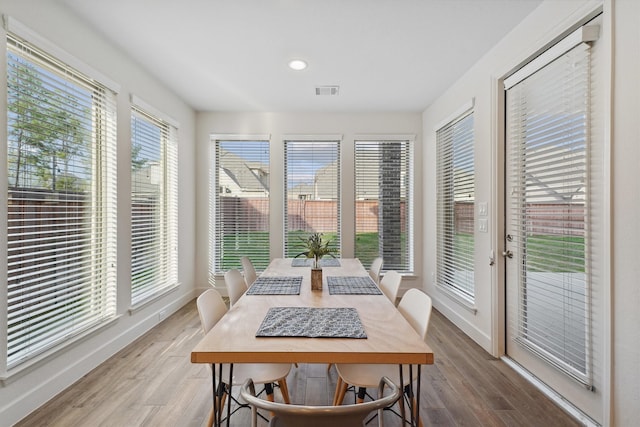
415,306
236,286
211,308
287,415
374,270
248,270
390,285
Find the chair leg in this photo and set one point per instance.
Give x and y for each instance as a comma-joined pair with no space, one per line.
415,402
409,392
329,365
221,397
335,393
211,418
401,407
284,389
362,392
341,391
268,388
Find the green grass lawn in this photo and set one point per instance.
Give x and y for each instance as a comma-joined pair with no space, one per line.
544,253
555,254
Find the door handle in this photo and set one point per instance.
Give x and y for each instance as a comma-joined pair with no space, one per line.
507,254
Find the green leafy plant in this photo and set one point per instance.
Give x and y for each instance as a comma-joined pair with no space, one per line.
316,248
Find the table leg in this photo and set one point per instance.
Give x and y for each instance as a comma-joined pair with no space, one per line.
411,401
213,419
418,396
401,401
230,384
218,393
413,398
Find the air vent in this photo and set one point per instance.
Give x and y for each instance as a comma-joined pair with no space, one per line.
327,90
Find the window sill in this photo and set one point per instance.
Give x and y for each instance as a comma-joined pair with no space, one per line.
30,365
153,298
462,299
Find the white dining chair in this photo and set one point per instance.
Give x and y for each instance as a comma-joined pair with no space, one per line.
415,306
236,285
248,270
375,269
321,416
390,285
211,308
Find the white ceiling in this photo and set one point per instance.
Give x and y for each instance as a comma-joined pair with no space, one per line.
231,55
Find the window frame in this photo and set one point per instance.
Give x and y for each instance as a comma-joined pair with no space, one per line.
166,229
311,139
215,265
409,189
102,219
446,262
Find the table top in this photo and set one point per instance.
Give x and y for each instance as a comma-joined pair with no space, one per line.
390,338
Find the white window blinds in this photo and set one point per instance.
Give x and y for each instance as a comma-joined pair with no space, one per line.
153,205
455,206
312,183
548,136
61,227
241,204
383,179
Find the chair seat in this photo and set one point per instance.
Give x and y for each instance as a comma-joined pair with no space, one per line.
261,373
363,375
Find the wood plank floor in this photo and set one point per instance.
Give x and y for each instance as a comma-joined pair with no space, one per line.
153,383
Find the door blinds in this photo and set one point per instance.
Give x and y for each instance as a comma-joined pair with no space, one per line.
312,183
548,135
455,206
153,206
61,226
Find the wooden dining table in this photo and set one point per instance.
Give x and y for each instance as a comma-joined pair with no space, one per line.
390,339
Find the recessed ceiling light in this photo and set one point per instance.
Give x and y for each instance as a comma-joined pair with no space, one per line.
297,64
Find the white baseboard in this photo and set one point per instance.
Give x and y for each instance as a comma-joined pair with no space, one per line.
551,394
469,328
49,379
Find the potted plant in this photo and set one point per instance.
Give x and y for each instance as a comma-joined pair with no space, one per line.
316,248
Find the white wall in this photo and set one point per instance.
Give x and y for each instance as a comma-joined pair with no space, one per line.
625,163
619,371
24,392
280,124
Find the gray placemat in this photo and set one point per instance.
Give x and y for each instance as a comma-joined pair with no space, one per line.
312,322
308,262
352,285
276,285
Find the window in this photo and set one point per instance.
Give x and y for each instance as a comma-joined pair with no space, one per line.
153,204
61,235
455,206
241,202
383,180
312,182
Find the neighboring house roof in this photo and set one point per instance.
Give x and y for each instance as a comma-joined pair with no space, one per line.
248,176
